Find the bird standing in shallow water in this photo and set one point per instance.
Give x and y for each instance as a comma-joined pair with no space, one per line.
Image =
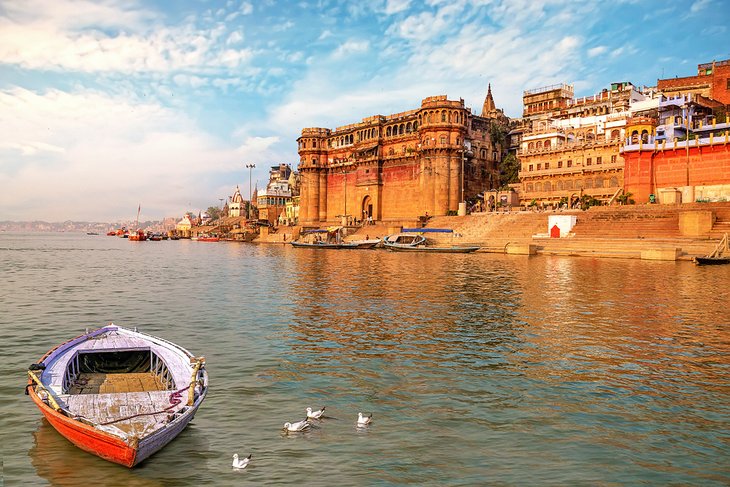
315,414
240,463
298,426
364,420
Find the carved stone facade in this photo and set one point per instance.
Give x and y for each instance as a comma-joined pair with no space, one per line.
399,167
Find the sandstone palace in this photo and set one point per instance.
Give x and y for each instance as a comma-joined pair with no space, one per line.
400,167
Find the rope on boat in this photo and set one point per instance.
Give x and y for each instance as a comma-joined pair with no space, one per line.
175,399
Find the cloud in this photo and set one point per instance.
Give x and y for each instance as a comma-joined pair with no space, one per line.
75,154
596,51
396,6
56,40
698,6
350,47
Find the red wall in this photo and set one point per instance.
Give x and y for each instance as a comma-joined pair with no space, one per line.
646,170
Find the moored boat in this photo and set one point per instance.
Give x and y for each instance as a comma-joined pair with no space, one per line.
411,240
368,243
138,236
404,239
208,238
117,393
330,238
719,256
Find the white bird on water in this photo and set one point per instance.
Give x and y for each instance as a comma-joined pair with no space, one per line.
315,414
240,463
298,426
364,420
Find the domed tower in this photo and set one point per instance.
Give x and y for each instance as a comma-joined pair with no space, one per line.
313,170
234,207
443,129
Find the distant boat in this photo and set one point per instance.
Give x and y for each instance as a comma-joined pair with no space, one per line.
208,238
91,233
117,393
138,235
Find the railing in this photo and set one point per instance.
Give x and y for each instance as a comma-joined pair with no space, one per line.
545,89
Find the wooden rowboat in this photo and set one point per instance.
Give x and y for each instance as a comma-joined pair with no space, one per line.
118,393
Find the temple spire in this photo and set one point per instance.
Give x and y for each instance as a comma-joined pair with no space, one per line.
489,109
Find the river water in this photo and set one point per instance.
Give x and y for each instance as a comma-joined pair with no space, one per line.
479,369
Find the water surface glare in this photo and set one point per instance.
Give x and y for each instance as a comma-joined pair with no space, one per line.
479,369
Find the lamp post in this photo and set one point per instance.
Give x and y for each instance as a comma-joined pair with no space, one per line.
344,174
250,201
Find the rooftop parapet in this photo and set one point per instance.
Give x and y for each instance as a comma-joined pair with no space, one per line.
315,132
566,88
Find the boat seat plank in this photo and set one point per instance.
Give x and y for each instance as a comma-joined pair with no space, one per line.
102,408
98,383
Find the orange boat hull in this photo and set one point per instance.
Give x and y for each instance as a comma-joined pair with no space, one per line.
86,437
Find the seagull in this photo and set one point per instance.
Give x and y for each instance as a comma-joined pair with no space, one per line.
240,463
364,420
298,426
315,414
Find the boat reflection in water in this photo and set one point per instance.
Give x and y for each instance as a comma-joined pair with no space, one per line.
59,462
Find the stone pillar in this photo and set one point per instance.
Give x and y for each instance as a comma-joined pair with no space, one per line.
454,181
322,181
441,186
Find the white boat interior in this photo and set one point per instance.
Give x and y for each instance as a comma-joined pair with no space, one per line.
122,381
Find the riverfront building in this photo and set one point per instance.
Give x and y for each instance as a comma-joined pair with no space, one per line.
570,147
398,167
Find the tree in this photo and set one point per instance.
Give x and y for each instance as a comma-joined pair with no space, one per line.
509,170
213,212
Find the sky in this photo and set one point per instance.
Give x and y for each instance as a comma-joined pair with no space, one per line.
107,106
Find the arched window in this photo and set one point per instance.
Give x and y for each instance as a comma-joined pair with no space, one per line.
409,128
529,187
589,183
531,146
402,129
635,137
615,134
443,115
538,186
599,182
547,144
548,186
538,146
560,185
387,132
614,182
644,136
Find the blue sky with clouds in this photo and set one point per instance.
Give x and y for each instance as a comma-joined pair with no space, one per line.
108,104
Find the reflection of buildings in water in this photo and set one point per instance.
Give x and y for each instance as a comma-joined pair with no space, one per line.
392,307
616,320
59,462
